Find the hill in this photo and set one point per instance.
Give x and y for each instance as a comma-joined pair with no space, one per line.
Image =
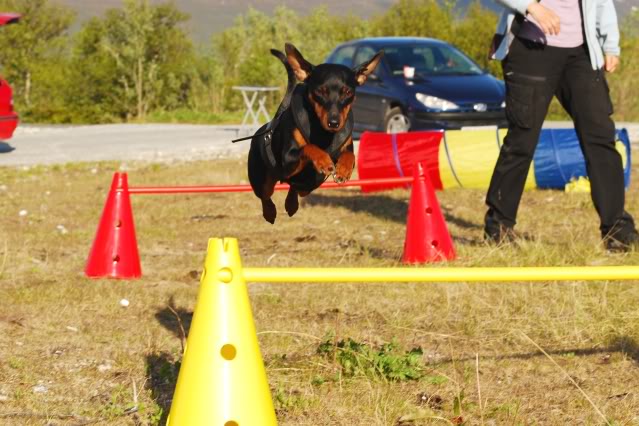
211,16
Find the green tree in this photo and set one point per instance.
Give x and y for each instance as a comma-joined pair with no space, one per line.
624,81
138,57
40,39
473,33
243,50
416,18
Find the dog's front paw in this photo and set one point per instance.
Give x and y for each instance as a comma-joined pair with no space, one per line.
343,173
321,161
324,165
344,169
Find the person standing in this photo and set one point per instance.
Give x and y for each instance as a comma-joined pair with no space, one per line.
559,48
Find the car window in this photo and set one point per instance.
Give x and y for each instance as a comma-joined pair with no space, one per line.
429,59
365,53
343,56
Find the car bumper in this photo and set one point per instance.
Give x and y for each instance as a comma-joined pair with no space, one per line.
455,120
8,124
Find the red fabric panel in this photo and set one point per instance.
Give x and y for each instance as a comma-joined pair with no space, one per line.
377,159
8,118
8,125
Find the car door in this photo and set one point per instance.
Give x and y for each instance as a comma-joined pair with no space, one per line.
370,106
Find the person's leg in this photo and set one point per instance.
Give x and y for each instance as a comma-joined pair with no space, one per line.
584,94
531,74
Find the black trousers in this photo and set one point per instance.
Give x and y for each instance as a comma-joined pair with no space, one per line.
534,74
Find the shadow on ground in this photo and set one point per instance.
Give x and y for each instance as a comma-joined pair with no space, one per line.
162,368
176,320
383,207
5,148
388,208
162,372
623,344
380,206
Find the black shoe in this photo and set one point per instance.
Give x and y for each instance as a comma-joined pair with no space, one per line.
500,234
622,243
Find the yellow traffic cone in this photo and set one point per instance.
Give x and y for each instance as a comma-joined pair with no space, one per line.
222,381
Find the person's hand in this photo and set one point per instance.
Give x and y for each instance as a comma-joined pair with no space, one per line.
612,62
546,18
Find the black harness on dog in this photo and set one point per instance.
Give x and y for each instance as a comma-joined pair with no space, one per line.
309,126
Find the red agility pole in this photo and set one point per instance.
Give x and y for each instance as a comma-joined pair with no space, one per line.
247,188
115,253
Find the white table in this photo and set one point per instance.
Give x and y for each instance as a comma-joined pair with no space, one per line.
250,94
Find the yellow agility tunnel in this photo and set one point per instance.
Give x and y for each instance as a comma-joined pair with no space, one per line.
466,158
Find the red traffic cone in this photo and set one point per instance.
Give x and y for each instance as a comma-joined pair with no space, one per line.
427,237
115,250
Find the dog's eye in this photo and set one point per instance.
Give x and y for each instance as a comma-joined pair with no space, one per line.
346,92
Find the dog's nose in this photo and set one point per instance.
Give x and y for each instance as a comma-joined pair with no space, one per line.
333,123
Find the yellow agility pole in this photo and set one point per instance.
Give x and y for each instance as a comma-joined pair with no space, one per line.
368,275
222,380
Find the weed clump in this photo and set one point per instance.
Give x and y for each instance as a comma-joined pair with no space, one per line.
388,362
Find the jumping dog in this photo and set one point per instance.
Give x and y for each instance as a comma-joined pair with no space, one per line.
310,137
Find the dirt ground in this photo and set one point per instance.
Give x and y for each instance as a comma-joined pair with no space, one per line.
548,353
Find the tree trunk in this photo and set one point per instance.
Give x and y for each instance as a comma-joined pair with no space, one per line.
139,85
27,89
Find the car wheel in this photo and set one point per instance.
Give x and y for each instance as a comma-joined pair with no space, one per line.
396,121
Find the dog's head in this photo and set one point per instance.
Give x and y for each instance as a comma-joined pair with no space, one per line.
331,87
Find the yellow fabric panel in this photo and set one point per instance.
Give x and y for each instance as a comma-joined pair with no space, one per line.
621,148
473,154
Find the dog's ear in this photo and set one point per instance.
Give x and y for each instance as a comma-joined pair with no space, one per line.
301,66
364,70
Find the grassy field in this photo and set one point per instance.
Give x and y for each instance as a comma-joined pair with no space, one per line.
347,354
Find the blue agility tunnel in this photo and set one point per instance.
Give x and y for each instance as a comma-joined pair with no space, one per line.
558,158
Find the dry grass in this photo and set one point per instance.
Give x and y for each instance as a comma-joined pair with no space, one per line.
70,355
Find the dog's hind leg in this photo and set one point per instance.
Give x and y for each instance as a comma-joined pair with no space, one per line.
262,182
269,211
292,203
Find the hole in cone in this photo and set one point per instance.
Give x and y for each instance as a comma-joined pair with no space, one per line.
228,352
435,243
231,423
429,210
118,223
116,258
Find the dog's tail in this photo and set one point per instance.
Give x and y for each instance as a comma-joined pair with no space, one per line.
291,81
286,101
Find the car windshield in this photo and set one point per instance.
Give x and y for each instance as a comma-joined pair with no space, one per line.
429,59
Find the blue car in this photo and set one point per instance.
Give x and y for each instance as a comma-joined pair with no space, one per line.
421,84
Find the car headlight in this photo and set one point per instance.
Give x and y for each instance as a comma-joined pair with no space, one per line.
433,102
503,104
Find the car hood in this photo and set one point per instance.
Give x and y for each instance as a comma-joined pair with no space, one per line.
9,18
460,88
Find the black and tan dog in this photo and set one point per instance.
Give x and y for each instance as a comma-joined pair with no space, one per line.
310,137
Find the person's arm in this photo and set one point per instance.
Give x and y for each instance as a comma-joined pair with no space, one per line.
608,33
546,18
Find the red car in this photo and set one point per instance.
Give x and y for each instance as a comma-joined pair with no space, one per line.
8,117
